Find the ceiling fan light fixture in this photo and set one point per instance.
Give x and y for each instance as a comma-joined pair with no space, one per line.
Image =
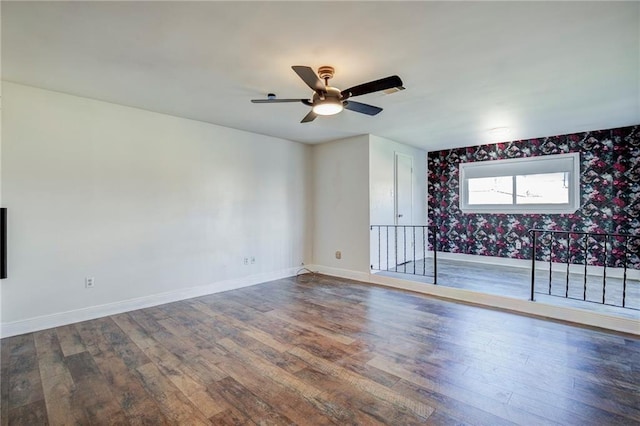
328,107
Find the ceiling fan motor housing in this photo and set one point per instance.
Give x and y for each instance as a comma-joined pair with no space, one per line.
331,93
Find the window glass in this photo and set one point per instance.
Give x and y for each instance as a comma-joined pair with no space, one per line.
491,190
546,188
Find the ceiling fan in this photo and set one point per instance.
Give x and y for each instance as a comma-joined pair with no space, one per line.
329,100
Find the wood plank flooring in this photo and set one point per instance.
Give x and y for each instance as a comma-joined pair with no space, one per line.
317,350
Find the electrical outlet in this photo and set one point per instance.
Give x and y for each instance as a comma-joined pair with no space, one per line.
253,260
246,260
518,244
89,282
338,254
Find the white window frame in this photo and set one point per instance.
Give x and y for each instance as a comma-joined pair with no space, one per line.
558,163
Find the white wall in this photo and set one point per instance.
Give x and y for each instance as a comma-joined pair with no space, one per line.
381,172
146,203
341,203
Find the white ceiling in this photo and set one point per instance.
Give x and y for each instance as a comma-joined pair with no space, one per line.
540,68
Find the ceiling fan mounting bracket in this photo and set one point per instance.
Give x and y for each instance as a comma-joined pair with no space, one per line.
326,72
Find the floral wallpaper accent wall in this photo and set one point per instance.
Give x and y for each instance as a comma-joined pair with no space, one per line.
610,200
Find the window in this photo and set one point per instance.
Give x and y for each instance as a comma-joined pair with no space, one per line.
545,184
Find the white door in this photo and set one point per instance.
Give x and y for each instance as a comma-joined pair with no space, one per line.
403,181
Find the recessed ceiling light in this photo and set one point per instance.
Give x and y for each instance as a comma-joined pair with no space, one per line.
499,132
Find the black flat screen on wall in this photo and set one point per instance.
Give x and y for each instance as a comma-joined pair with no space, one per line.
3,243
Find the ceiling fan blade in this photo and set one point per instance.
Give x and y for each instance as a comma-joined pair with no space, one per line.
309,117
362,108
372,86
310,77
275,101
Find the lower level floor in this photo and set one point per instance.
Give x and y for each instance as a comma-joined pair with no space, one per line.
515,282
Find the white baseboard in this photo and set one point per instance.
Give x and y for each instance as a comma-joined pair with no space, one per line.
92,312
578,316
632,274
339,272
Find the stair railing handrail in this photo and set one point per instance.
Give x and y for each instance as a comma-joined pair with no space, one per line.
533,233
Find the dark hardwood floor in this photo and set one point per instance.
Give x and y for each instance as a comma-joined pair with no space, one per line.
319,350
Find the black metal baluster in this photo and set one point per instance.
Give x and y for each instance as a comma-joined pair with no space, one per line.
586,244
404,248
533,262
387,228
3,243
550,258
624,274
435,262
424,250
396,244
414,249
566,291
604,271
370,257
